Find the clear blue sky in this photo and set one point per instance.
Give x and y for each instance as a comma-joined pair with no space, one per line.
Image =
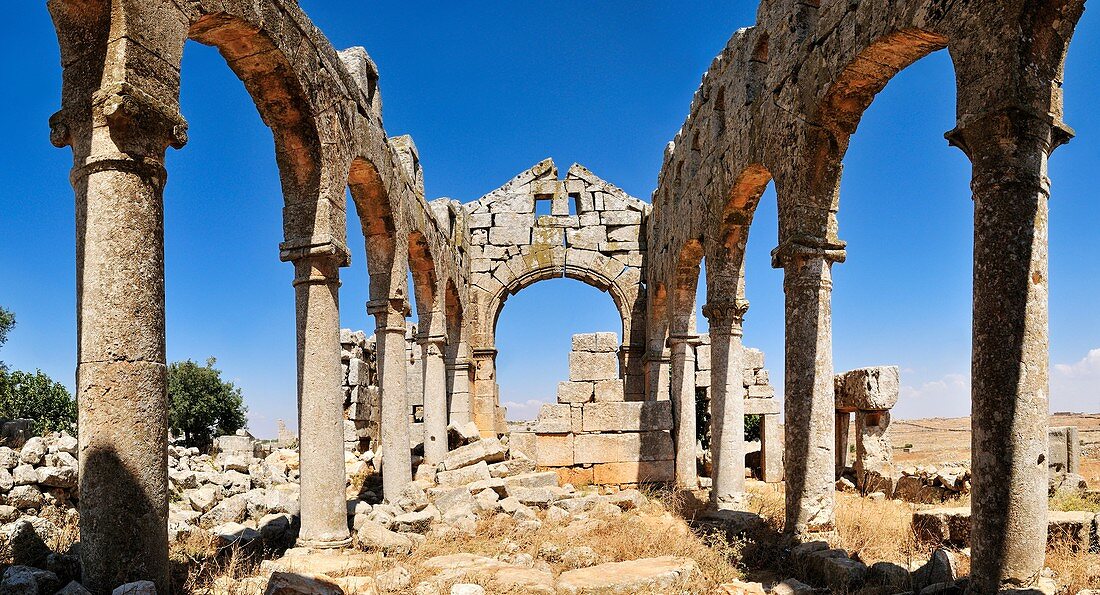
488,89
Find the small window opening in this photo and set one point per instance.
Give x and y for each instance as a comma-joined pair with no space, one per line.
543,204
574,200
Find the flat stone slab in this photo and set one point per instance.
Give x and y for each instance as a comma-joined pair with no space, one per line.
634,576
503,576
331,563
1074,529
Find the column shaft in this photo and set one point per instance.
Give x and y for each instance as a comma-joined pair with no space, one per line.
810,408
320,402
1009,152
727,403
394,433
435,400
121,374
683,403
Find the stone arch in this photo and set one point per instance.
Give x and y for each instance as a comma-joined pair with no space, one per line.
590,277
686,283
425,278
376,217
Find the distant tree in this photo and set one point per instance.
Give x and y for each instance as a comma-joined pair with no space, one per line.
7,322
201,404
36,396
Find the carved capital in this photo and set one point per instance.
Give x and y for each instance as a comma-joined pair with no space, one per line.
798,250
137,119
726,317
316,269
389,315
319,247
1008,123
691,340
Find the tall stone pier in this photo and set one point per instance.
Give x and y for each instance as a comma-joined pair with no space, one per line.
389,316
121,379
435,398
727,402
1010,368
683,404
320,395
809,430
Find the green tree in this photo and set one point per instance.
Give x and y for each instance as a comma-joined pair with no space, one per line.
36,396
7,322
201,404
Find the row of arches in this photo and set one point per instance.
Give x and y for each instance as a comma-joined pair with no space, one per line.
791,125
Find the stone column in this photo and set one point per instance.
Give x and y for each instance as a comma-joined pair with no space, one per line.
1009,151
389,318
843,422
320,395
121,378
874,449
809,433
484,403
435,398
727,402
683,403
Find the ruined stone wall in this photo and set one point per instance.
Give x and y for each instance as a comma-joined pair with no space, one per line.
593,435
592,232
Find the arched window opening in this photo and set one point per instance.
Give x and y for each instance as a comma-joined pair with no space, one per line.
534,339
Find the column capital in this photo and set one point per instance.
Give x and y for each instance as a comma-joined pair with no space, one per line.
316,269
431,339
389,315
1008,119
797,250
322,246
692,340
727,315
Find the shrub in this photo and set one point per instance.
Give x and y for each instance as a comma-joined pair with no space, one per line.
201,404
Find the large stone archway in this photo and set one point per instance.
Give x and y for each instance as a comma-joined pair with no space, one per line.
594,233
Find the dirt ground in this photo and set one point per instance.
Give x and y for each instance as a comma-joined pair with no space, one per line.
946,440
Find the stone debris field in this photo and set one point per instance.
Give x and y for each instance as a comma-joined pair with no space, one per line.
666,464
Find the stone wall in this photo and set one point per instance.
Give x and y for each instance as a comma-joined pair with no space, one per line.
593,434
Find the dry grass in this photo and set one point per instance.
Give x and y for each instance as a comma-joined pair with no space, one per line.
649,532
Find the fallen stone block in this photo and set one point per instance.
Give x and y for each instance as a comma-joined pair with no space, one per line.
633,576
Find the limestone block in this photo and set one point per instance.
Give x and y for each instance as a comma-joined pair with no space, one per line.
1065,449
596,342
754,358
702,357
626,233
620,217
522,443
588,219
628,417
702,379
649,575
576,418
358,372
505,236
761,392
589,237
554,450
574,392
489,450
553,419
761,406
593,366
622,448
480,220
610,390
874,450
554,236
634,472
577,476
868,389
464,475
557,221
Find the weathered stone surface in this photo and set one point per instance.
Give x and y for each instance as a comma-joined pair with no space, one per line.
868,389
575,392
633,576
554,419
555,450
622,448
489,450
610,390
590,366
628,417
634,472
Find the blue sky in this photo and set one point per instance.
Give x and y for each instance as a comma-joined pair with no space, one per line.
489,89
